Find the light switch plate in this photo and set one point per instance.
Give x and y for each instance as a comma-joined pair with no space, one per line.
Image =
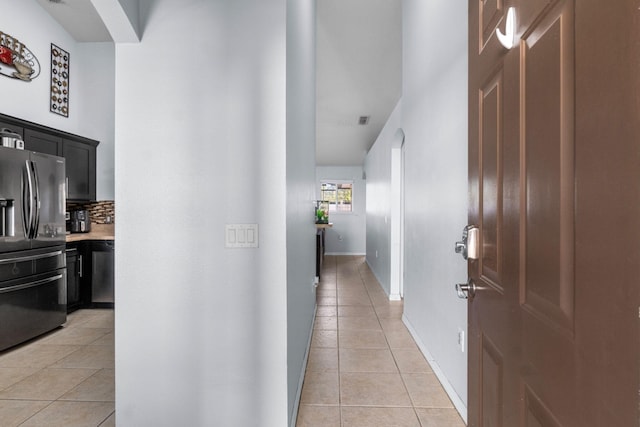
241,236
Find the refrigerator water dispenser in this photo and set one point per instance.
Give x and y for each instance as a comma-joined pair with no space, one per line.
7,228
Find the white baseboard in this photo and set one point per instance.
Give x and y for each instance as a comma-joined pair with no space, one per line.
448,388
395,297
345,253
391,297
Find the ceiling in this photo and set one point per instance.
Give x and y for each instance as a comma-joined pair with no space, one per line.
359,73
359,68
79,18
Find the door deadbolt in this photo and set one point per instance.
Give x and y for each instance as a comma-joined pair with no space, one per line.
468,246
466,290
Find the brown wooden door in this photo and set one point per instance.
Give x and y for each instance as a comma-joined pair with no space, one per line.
554,178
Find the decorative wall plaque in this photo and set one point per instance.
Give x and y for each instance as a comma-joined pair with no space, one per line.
59,81
16,60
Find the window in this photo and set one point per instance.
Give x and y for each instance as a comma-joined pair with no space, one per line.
338,194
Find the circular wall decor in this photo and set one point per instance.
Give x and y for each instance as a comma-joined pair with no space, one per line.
59,81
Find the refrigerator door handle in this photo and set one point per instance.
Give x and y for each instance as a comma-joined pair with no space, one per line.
27,200
16,260
36,215
30,284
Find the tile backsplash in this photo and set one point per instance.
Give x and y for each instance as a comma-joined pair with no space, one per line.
102,212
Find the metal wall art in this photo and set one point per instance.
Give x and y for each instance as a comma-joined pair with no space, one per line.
59,81
16,60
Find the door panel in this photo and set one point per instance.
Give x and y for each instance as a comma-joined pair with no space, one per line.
492,384
32,306
554,169
490,14
547,233
491,182
607,176
51,183
13,234
536,413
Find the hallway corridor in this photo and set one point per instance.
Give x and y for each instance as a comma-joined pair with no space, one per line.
364,368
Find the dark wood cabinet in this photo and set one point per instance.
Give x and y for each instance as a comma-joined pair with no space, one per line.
79,153
81,169
74,277
42,142
90,274
319,251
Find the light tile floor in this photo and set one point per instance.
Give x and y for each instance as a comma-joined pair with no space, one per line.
64,378
364,368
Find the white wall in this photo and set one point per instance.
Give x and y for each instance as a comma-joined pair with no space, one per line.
434,120
132,10
301,160
201,141
28,22
91,99
96,83
348,234
433,117
379,207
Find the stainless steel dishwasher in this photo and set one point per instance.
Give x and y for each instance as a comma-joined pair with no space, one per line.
102,274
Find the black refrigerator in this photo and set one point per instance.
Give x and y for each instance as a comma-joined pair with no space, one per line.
33,280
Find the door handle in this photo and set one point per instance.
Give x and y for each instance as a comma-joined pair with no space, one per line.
466,290
468,246
28,208
36,217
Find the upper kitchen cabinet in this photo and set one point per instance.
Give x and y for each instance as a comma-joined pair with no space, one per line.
79,153
81,169
42,142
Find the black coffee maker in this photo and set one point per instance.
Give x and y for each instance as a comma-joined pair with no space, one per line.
80,221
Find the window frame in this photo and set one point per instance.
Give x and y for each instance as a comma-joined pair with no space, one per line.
333,207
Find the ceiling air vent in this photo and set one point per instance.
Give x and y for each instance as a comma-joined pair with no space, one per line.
363,120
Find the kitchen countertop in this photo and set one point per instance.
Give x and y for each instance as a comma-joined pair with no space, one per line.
98,232
324,225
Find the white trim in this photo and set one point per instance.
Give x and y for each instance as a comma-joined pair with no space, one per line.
402,219
296,404
335,181
395,235
346,253
448,388
395,297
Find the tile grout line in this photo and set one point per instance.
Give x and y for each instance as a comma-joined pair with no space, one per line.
335,287
395,360
386,313
338,343
42,342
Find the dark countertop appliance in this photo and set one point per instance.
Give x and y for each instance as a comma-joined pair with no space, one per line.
33,278
80,221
